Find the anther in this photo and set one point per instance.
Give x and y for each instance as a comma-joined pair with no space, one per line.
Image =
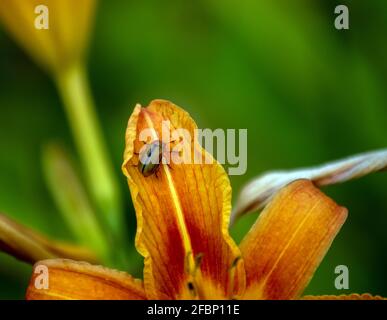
192,289
187,262
198,261
231,278
192,266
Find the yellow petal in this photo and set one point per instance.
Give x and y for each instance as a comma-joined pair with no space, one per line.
182,216
65,40
71,280
288,241
29,246
353,296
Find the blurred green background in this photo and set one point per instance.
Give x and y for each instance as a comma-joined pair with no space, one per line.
306,92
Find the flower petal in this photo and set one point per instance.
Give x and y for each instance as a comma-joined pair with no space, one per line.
288,241
182,215
353,296
258,192
29,246
72,280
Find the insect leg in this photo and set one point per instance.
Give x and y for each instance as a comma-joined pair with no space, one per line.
169,166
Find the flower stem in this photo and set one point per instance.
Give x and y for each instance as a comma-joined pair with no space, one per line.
73,87
73,202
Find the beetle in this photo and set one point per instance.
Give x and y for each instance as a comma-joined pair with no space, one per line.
150,159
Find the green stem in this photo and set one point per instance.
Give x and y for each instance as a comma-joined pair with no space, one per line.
71,198
79,106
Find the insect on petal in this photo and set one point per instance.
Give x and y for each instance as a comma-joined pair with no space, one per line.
182,216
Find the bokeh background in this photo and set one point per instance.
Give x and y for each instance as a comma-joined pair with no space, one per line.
306,92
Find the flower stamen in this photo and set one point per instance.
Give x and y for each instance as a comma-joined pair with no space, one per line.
194,275
231,278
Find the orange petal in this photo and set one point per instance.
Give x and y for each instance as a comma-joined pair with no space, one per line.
182,215
30,246
353,296
288,241
72,280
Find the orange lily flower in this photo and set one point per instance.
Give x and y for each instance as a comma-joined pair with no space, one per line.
182,233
